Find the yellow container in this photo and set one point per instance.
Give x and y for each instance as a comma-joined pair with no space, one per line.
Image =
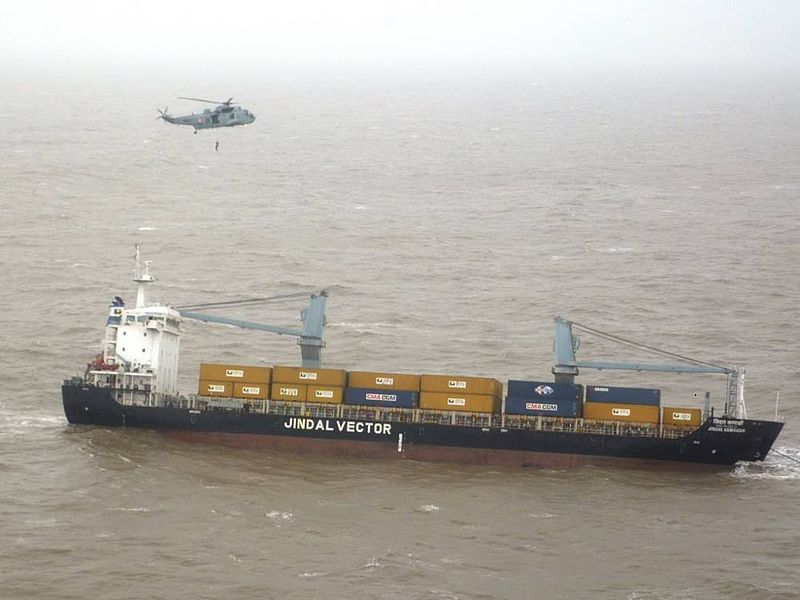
629,413
383,381
218,389
324,393
251,391
461,384
329,377
240,373
289,391
485,403
685,417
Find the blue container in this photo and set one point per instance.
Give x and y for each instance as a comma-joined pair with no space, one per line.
619,395
550,407
543,390
383,398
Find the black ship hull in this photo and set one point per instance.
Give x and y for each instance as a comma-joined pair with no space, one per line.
721,442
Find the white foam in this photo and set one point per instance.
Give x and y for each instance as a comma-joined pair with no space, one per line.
373,563
616,250
280,517
428,508
148,228
366,327
781,464
17,424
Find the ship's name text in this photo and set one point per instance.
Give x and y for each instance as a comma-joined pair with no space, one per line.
727,426
338,425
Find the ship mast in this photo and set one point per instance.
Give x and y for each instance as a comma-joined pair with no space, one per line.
142,277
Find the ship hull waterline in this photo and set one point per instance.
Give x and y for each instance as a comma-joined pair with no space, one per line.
716,442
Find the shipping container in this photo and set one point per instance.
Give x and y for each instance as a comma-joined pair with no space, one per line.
383,381
688,417
381,397
289,391
543,390
330,377
240,373
633,413
218,389
550,407
485,403
620,395
325,393
461,384
252,391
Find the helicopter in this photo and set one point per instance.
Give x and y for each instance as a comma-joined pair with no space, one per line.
225,114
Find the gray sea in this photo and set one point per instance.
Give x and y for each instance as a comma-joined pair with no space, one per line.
451,214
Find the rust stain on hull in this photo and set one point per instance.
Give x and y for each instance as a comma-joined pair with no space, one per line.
423,452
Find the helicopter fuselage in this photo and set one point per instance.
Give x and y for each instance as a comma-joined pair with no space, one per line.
222,116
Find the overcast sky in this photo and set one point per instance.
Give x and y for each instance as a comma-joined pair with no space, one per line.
611,33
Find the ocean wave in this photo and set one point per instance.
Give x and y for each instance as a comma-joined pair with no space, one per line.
427,508
279,517
367,327
783,463
18,424
615,250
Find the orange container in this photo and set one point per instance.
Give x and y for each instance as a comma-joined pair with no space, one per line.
251,391
217,389
383,381
240,373
324,393
289,391
484,403
629,413
329,377
682,417
461,384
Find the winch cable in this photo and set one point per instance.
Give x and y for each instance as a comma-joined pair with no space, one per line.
620,340
784,455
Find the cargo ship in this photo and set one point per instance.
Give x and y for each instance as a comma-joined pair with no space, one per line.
430,417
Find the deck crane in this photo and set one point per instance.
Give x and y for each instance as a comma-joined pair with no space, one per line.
310,336
566,365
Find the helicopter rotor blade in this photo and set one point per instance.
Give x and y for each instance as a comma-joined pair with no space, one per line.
204,100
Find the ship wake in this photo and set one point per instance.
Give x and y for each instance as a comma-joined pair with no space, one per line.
783,463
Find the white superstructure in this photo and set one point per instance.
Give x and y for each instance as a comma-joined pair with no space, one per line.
141,346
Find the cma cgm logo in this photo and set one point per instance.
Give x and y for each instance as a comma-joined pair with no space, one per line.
543,390
540,406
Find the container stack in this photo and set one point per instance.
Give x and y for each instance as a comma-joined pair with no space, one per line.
543,399
460,393
634,405
234,381
301,384
385,390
